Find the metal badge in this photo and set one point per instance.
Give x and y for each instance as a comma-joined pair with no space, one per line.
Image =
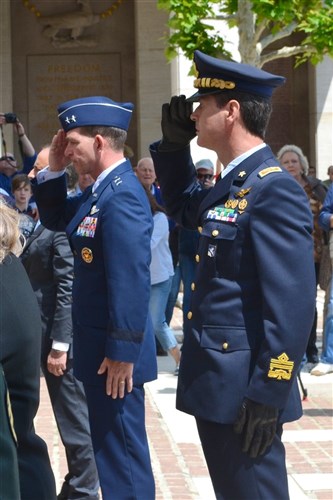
87,255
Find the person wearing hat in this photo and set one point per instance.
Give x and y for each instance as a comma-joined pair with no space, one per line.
252,301
205,172
109,227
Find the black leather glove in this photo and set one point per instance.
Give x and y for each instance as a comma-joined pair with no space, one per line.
257,424
177,127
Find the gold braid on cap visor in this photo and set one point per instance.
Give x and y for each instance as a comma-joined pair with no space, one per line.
209,83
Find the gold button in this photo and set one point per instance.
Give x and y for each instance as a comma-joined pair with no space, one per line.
189,315
215,233
197,258
200,229
192,287
225,345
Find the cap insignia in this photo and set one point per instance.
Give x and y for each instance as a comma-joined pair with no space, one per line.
70,119
209,83
280,368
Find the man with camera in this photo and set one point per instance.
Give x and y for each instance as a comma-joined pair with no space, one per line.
8,163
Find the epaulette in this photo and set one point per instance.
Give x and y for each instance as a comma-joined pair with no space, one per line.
269,170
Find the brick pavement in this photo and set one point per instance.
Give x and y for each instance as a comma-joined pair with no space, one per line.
178,462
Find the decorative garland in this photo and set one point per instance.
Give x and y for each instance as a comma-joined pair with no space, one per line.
102,15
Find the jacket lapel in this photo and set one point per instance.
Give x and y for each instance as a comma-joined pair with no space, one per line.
92,198
237,176
34,235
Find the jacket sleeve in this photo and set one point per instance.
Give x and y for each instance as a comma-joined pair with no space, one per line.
63,280
327,211
281,227
127,227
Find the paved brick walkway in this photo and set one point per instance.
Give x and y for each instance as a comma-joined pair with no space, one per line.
177,458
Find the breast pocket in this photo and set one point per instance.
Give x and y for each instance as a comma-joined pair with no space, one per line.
222,248
226,339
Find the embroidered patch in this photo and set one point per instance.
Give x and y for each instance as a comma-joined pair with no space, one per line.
268,170
280,368
87,227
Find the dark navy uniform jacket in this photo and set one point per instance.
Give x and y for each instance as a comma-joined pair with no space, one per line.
110,233
254,293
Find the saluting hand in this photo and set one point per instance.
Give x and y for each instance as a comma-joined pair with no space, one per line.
177,127
57,159
119,377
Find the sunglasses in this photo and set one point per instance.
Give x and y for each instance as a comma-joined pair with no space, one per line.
204,176
7,158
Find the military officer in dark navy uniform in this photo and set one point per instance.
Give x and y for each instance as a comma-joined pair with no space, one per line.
254,293
109,227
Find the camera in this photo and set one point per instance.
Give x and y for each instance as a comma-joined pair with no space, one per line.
10,118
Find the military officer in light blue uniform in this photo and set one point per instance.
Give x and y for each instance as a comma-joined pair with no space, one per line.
109,227
254,292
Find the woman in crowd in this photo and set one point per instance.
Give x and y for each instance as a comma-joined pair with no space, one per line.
161,273
292,158
20,344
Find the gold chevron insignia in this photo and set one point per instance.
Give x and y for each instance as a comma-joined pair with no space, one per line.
281,368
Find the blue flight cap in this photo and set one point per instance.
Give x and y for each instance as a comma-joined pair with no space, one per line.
216,75
95,111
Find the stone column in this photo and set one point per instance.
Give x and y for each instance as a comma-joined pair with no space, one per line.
6,92
153,72
321,118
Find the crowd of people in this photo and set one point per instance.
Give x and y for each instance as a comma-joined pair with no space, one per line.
96,249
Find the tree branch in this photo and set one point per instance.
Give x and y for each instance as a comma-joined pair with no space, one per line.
287,31
286,52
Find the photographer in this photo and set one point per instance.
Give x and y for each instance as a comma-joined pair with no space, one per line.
8,163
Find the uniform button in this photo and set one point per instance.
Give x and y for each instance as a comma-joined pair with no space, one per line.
200,229
225,345
215,233
192,287
197,258
189,315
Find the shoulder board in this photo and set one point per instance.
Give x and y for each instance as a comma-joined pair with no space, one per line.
269,170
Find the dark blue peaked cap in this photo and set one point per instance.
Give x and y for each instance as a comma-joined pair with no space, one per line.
95,111
216,75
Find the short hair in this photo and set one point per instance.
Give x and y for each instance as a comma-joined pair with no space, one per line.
255,110
291,148
9,231
115,136
20,179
